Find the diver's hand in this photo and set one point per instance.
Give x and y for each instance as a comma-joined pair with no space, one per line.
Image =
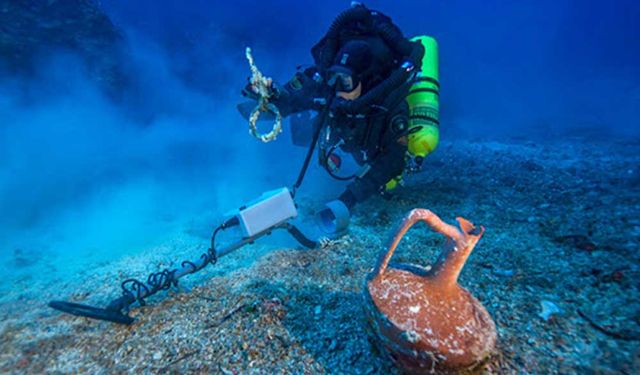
252,90
339,106
249,91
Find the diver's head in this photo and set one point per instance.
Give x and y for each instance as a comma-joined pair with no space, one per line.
346,73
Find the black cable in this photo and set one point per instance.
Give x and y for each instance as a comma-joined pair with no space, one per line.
162,280
136,290
325,164
211,253
318,125
300,237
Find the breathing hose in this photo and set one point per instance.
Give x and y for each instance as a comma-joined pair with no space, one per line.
355,14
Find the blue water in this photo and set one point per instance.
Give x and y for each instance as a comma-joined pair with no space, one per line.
87,179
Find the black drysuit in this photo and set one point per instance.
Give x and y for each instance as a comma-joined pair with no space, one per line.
372,136
372,128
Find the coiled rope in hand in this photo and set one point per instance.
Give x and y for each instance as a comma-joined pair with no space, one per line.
261,85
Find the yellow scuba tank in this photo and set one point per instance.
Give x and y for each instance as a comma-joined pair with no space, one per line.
424,104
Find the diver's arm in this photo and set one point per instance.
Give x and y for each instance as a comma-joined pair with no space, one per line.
305,91
388,166
390,163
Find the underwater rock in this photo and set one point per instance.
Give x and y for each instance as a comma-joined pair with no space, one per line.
32,30
616,276
422,318
503,272
578,241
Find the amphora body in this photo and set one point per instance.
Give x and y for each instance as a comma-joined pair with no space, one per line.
422,318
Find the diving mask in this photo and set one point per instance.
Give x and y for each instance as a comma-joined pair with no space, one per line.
342,81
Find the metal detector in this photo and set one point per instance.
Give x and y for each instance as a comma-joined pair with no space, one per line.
271,211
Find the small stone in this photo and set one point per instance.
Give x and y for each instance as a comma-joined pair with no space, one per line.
333,345
318,310
548,309
503,272
157,356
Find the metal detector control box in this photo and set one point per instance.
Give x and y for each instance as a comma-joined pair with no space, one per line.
272,208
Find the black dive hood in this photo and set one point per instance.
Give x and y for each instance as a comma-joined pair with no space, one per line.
360,17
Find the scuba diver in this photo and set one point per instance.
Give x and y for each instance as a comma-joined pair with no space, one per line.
376,95
371,84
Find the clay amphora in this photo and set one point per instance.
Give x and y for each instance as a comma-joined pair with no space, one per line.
422,318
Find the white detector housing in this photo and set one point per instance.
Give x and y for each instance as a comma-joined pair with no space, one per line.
272,208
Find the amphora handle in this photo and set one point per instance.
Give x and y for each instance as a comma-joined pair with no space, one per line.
463,240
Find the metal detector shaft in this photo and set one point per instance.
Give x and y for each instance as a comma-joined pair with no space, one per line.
192,267
200,263
164,280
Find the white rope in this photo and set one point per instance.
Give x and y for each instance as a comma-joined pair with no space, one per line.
261,85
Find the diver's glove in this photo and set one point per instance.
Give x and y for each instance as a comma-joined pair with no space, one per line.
413,164
339,107
275,96
250,91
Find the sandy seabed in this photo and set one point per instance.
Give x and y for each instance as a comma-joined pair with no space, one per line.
558,269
